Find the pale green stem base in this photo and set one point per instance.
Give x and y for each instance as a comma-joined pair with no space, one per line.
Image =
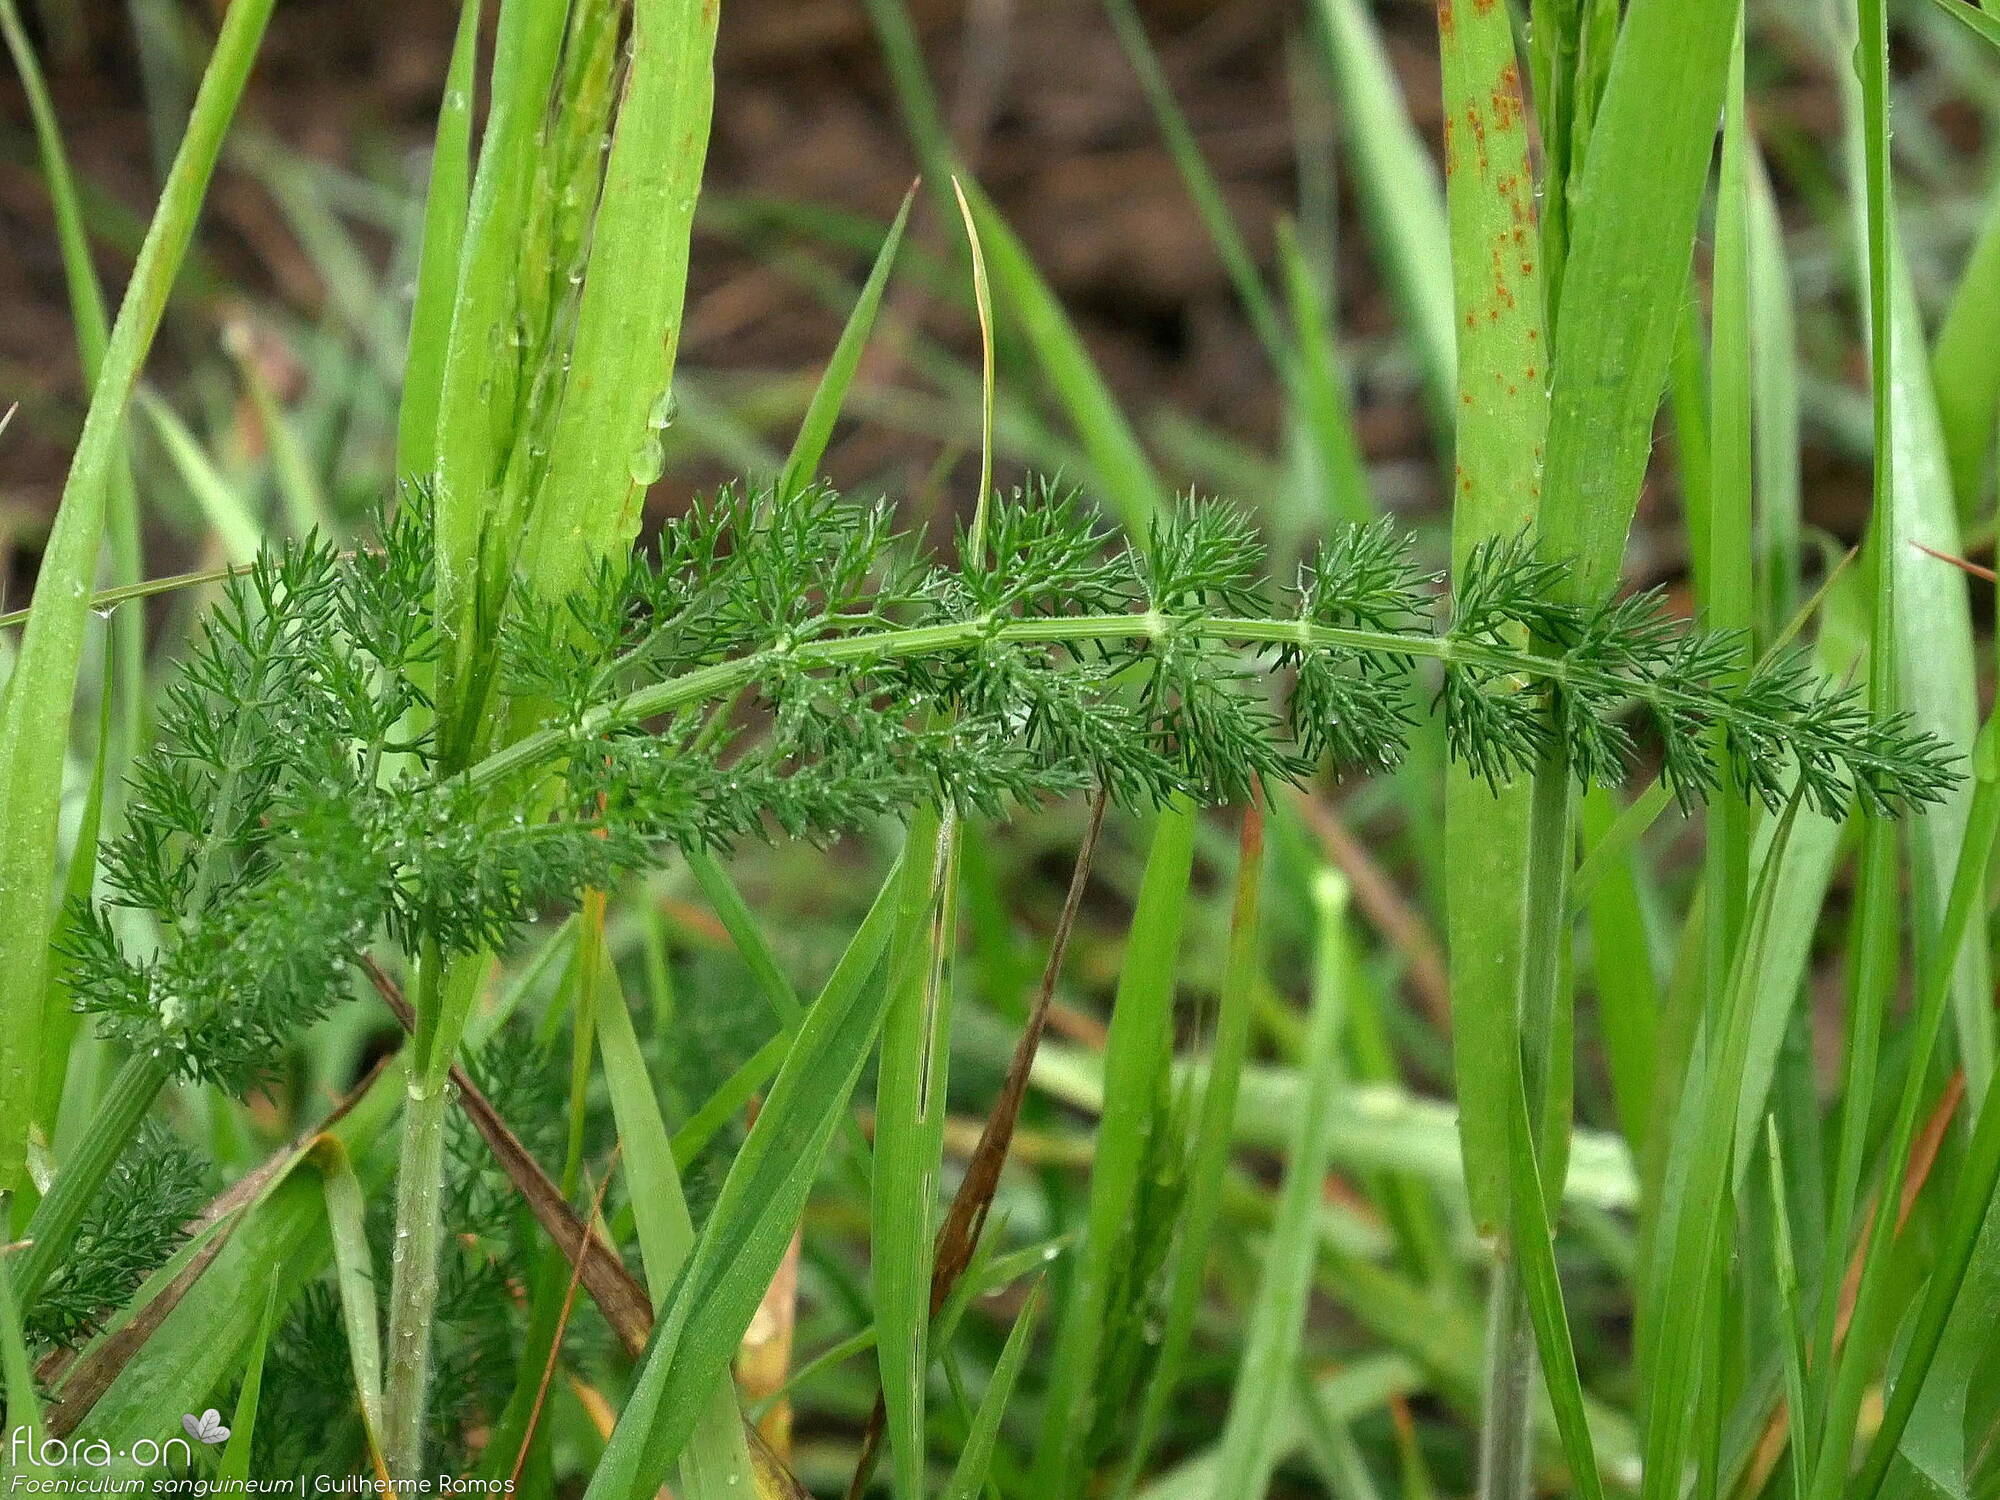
1506,1431
413,1284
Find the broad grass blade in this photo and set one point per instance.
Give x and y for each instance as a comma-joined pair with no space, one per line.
628,326
1503,414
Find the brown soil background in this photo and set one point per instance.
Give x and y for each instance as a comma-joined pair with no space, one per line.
1047,107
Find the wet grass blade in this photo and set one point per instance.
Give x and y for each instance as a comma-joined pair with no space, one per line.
628,325
34,720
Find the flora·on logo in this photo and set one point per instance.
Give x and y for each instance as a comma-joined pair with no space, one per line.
206,1428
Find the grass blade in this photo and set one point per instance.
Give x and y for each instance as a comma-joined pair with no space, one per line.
235,1465
34,721
1503,414
354,1273
445,203
1122,474
746,1235
1276,1324
1632,238
659,1207
1213,1139
1774,409
1534,1243
968,1476
1402,199
93,337
480,375
909,1135
809,447
1784,1263
1135,1085
24,1403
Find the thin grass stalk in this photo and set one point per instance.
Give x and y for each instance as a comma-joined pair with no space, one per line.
34,723
93,337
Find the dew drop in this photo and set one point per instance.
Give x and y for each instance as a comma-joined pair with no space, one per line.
649,461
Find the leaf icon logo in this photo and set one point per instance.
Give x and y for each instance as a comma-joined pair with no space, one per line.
206,1428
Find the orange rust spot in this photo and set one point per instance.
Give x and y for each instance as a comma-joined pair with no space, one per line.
1534,335
1531,368
1527,268
1484,6
1444,18
1472,118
